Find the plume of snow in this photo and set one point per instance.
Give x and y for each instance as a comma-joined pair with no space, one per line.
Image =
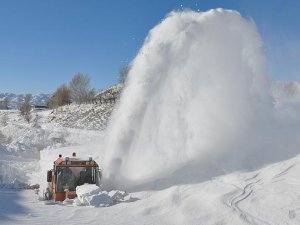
197,103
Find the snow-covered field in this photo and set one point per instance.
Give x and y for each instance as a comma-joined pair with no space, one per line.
267,196
200,135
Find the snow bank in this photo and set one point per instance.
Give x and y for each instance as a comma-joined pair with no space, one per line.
92,195
20,138
197,101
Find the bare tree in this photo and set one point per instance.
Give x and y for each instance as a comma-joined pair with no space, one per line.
35,121
4,103
123,73
60,97
79,87
91,94
1,104
25,107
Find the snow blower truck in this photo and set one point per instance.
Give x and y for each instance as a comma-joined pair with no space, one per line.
67,174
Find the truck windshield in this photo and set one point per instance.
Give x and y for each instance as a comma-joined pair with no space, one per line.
71,177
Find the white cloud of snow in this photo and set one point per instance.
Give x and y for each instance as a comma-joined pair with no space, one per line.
197,103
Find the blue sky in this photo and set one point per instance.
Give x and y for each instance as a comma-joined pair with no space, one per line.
43,43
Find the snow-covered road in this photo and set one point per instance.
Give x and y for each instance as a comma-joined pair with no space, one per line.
270,195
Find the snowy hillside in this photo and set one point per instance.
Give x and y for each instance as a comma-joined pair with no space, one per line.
87,116
21,142
94,116
111,92
16,100
20,145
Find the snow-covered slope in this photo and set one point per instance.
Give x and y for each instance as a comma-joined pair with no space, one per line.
94,116
86,116
21,142
113,91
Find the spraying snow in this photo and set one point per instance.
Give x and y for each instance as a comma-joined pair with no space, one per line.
197,103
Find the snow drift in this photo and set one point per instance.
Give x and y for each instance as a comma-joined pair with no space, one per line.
197,104
91,195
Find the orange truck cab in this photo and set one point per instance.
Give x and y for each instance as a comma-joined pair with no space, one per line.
67,174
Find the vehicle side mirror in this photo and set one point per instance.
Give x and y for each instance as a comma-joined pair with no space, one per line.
49,176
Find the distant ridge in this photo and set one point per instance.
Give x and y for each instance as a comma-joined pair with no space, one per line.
16,99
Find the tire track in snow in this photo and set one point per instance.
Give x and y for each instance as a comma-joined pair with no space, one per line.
240,195
234,198
284,171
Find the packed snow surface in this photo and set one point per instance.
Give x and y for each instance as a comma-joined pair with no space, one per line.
266,196
197,104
